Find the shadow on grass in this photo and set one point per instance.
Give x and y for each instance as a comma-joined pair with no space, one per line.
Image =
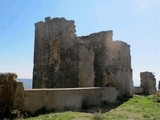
104,107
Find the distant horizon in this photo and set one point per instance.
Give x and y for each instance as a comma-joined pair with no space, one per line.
24,78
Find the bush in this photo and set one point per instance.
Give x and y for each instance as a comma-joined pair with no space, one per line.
156,97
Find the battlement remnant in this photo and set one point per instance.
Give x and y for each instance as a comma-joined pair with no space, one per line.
148,82
64,60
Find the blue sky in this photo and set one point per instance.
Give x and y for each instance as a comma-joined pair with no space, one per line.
136,22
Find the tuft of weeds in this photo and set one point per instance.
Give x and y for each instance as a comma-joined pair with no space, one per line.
97,116
156,97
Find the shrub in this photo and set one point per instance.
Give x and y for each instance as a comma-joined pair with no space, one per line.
156,97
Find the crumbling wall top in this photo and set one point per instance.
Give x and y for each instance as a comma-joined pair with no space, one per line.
148,82
147,74
8,77
122,43
49,19
101,34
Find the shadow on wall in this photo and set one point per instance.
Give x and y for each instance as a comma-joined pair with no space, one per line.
62,99
85,107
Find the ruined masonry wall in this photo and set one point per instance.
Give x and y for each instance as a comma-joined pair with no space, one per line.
85,67
55,61
61,59
112,62
148,82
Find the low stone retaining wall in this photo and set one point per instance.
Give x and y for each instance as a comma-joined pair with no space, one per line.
138,90
13,97
67,98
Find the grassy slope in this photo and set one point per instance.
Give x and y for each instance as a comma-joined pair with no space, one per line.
136,108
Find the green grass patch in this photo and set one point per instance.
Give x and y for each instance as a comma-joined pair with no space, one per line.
63,116
136,108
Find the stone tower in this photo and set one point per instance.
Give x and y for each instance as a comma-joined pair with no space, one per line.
61,59
55,61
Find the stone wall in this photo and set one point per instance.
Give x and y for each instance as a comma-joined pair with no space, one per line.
61,59
62,99
85,66
15,100
101,57
112,62
148,82
11,95
138,90
55,56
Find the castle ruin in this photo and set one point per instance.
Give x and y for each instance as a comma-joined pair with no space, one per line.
148,82
64,60
93,69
